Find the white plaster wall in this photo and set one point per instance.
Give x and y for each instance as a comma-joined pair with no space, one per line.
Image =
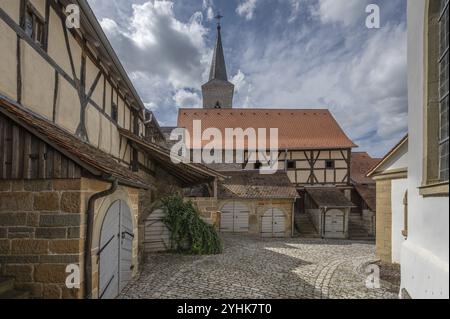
424,256
399,187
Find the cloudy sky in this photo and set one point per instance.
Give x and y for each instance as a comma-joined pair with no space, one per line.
279,54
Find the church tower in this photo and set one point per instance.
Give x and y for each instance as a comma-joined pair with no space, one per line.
218,91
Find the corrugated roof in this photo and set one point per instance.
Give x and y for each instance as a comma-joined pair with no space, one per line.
252,185
329,197
297,128
360,164
87,156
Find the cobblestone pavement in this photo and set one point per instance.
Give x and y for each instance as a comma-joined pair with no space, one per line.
253,268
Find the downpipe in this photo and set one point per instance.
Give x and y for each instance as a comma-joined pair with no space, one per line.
89,234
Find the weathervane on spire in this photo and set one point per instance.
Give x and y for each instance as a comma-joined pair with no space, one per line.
218,17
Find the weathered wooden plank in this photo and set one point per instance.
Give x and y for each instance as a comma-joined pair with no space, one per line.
2,148
34,156
26,156
57,165
42,160
7,155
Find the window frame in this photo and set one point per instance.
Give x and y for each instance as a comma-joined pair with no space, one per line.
432,185
442,97
333,164
38,23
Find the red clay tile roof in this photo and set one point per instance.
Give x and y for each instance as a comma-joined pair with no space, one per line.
368,194
252,185
360,166
90,158
297,128
329,197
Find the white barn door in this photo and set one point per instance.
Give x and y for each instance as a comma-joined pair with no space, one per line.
335,224
273,223
115,253
234,218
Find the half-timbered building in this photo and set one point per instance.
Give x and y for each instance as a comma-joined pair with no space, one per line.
80,157
313,150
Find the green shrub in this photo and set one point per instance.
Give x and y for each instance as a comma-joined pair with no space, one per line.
189,234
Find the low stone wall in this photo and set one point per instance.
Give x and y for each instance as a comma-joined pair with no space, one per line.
208,208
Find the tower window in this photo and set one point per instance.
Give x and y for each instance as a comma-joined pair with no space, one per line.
218,105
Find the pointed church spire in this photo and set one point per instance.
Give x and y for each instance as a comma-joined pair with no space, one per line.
218,91
218,68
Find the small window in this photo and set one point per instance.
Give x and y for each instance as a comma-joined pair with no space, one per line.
114,112
329,164
218,105
291,165
258,165
34,25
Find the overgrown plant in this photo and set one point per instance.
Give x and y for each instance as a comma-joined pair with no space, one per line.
188,232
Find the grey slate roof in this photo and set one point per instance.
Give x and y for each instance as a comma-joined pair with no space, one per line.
218,68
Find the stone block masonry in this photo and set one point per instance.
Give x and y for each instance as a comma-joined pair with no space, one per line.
41,232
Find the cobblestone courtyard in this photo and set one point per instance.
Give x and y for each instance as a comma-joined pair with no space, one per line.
256,268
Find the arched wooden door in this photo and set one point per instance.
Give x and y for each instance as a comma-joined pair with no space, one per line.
115,254
273,223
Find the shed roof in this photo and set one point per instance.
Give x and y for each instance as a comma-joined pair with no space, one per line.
329,197
84,154
253,185
188,173
297,128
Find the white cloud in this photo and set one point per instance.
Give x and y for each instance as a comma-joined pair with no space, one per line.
238,80
247,8
187,99
346,12
363,82
208,7
161,53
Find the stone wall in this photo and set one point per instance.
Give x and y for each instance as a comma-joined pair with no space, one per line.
208,208
40,234
384,221
42,231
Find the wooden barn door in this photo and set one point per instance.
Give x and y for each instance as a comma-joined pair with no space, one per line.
335,224
273,223
115,254
234,218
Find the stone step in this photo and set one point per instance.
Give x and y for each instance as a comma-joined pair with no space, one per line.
305,227
6,284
